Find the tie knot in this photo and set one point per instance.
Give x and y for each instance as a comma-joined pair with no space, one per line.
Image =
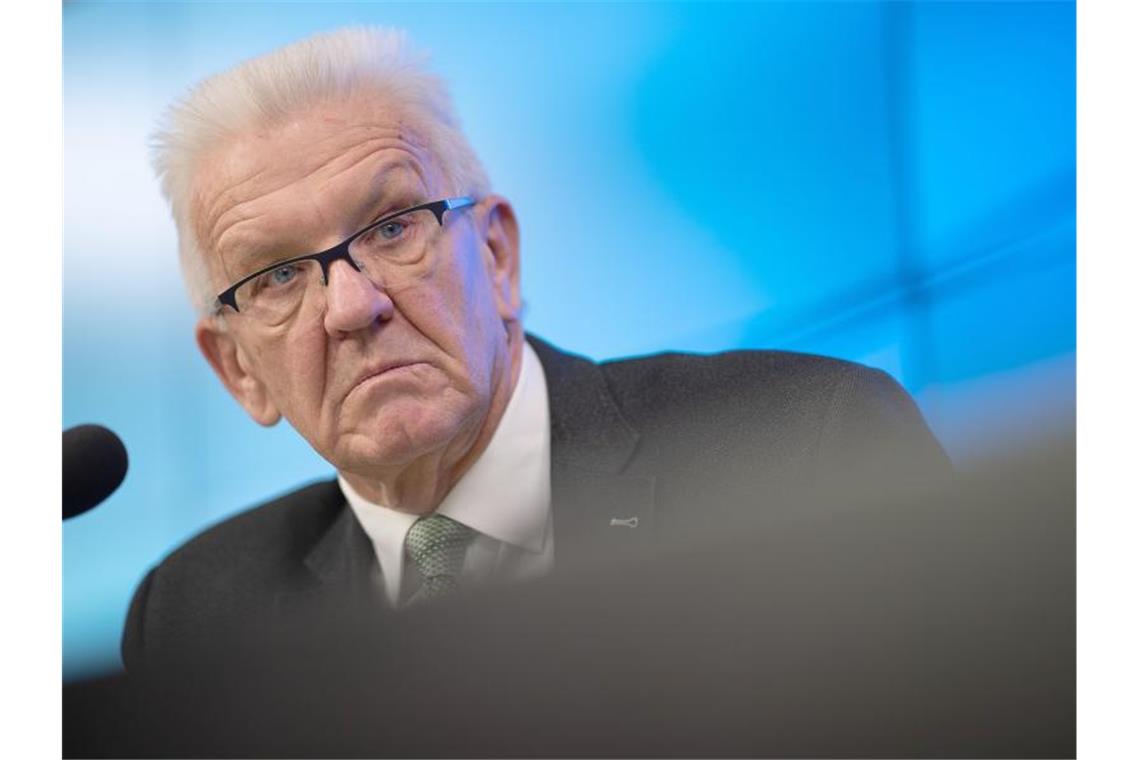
437,545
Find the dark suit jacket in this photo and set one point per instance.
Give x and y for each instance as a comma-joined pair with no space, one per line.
676,441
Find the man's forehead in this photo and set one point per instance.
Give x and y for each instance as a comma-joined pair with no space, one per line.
238,225
342,158
324,139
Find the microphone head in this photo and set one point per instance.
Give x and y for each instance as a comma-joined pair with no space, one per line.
94,464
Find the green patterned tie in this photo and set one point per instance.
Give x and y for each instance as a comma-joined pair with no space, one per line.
437,545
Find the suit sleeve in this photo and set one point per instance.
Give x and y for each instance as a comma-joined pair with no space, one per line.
133,646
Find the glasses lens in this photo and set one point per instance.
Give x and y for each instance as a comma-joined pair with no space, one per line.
389,249
275,295
400,241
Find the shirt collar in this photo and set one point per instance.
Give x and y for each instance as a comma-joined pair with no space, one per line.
506,493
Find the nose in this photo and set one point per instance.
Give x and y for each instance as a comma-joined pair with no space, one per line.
354,301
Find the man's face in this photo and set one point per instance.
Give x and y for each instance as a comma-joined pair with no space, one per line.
375,375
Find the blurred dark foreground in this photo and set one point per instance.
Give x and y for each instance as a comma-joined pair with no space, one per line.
936,623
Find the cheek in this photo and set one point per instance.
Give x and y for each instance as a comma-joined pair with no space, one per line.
294,372
451,302
476,318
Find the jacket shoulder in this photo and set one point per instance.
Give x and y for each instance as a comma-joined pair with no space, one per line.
767,380
240,564
282,529
785,409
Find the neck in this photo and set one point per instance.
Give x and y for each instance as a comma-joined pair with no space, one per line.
419,487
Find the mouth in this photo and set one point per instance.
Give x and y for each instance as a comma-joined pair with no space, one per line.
382,372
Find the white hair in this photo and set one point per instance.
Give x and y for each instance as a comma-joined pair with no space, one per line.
264,91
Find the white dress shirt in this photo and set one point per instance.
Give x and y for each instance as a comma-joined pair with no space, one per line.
504,497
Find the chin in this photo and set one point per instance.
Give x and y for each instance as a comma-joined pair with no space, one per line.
402,433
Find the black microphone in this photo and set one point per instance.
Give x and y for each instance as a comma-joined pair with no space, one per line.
94,464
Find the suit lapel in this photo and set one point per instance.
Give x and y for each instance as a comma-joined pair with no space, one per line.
342,559
599,502
344,553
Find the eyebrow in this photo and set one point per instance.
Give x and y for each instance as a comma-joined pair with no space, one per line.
385,204
397,184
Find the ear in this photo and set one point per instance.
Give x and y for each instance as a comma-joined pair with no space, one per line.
501,232
229,361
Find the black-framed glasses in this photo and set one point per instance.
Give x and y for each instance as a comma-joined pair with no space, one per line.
274,293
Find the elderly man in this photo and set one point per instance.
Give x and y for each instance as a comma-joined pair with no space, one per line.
357,276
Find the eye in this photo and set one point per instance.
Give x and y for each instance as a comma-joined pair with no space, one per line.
281,276
278,279
395,239
391,230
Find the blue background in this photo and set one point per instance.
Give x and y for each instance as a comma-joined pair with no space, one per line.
891,183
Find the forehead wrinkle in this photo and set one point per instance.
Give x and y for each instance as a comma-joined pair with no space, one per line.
221,217
404,133
236,242
225,226
208,209
357,153
387,173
